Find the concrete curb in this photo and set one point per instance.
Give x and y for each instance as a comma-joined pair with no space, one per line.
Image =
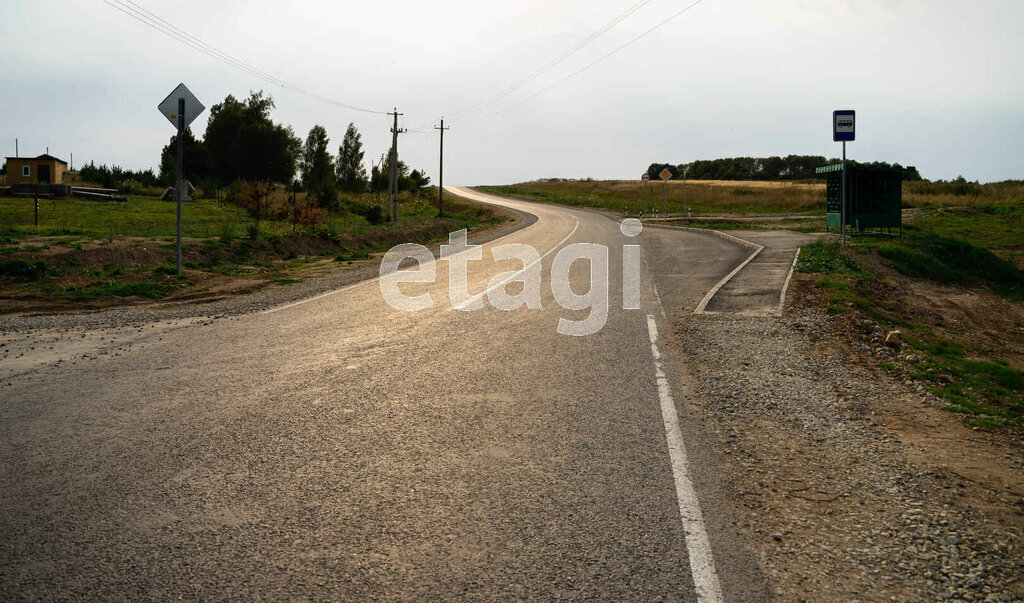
702,306
789,277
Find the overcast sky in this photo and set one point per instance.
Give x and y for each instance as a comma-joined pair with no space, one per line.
937,84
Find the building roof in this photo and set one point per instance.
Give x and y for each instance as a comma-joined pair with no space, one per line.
44,157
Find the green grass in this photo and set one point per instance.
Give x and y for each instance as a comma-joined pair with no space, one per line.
990,226
111,288
951,261
827,257
149,217
351,256
11,309
988,390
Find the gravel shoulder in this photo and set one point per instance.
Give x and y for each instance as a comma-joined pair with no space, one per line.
852,485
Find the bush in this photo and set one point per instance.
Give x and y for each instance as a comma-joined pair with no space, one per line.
165,270
374,214
227,232
25,270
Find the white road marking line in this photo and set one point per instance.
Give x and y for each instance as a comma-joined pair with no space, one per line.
789,277
473,298
702,562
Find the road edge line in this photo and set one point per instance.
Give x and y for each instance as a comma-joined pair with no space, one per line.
698,545
789,277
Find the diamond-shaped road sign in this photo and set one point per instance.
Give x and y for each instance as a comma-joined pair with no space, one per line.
665,174
169,107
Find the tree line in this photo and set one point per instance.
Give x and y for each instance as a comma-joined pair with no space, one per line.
791,167
242,143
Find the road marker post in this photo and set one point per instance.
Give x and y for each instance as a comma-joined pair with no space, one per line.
844,130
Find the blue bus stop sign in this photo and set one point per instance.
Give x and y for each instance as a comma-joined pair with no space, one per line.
844,126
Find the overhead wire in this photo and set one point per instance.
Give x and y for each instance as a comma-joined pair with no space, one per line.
593,63
157,23
550,65
557,60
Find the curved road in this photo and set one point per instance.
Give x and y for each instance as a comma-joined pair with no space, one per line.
339,448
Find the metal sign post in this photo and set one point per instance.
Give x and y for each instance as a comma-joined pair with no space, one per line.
181,108
181,160
665,176
645,178
843,129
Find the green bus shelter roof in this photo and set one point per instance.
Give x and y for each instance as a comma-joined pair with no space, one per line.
854,167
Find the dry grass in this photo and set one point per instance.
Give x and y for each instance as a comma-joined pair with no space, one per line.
747,197
702,197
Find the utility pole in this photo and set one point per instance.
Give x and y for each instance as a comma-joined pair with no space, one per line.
440,177
393,175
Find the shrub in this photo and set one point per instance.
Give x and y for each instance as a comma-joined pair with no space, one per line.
23,269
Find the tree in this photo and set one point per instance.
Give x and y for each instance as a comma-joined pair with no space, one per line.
197,160
417,180
351,173
317,167
244,143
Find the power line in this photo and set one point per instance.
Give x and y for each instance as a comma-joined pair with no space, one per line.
557,60
579,46
174,32
588,66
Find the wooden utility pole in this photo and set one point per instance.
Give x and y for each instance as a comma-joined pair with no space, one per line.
440,173
393,175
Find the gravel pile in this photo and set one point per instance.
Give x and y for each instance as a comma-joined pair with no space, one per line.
829,499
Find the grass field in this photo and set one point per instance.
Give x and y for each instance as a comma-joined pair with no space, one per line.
707,196
96,251
989,215
743,197
203,218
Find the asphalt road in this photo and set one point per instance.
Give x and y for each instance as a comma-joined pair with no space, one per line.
339,448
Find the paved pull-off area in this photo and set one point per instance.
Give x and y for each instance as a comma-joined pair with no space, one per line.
338,448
